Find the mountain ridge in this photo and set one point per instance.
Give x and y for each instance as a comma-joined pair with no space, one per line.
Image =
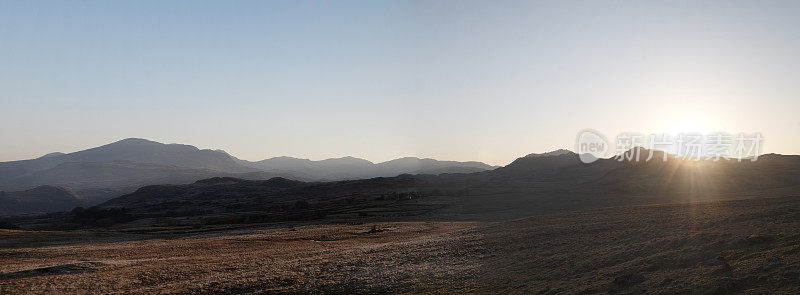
124,165
528,186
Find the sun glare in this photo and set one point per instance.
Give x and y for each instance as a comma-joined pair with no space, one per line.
689,124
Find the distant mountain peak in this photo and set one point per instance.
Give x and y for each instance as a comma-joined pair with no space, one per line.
54,154
348,158
131,140
50,170
409,157
557,152
286,158
219,180
141,142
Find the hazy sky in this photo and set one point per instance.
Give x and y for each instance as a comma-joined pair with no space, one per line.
453,80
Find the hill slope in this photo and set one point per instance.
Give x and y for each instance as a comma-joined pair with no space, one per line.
356,168
39,200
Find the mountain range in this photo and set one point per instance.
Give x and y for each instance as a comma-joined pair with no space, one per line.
125,165
355,168
151,179
547,183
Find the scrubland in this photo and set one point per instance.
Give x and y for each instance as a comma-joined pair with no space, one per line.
741,246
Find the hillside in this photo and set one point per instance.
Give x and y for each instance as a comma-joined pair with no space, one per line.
41,199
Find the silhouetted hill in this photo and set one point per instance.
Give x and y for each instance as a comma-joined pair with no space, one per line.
224,192
701,179
561,166
530,185
413,165
39,200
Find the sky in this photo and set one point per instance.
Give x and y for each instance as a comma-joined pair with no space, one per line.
454,80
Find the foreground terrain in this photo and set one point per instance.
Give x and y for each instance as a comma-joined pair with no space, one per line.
741,246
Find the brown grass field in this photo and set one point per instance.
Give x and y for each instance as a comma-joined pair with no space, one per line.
743,246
